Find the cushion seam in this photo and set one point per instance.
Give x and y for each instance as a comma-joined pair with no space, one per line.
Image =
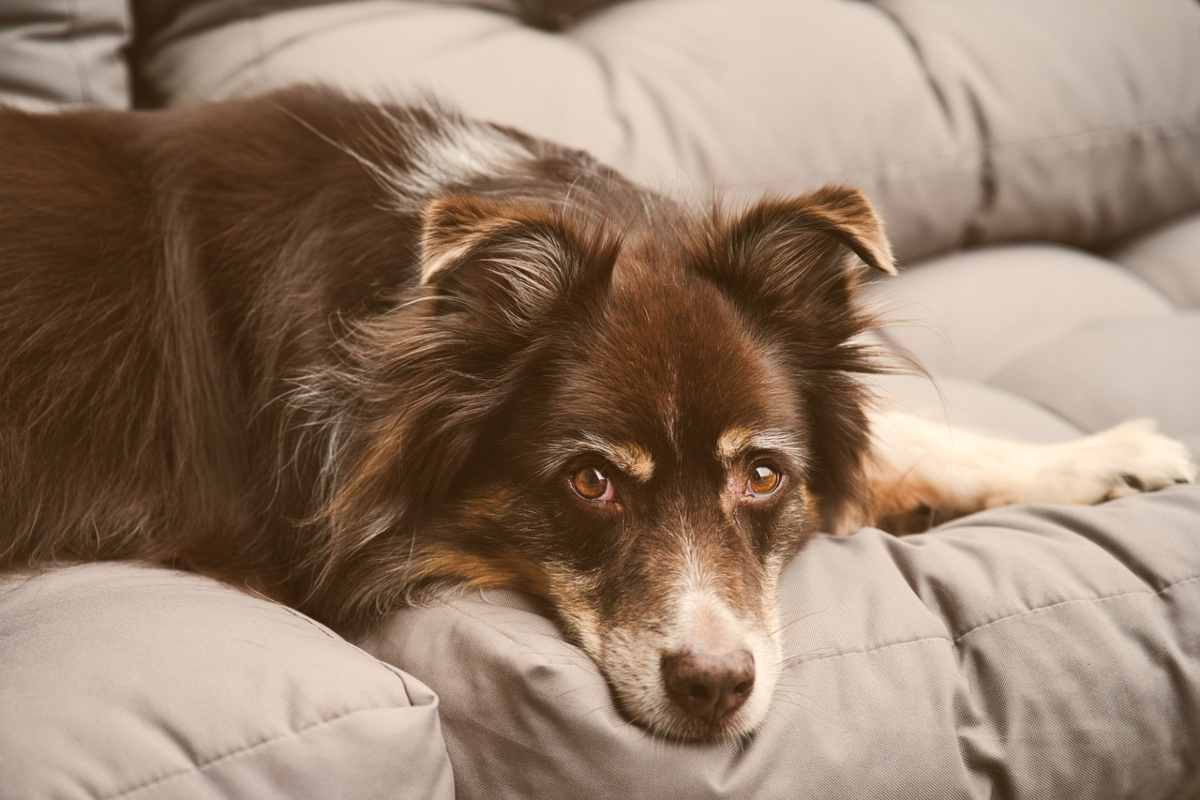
1008,617
866,650
247,749
1097,599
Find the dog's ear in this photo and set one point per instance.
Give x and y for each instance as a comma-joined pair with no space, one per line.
507,264
428,377
793,265
783,253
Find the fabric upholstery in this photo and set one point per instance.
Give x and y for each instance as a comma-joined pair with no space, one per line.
1169,260
1020,653
968,123
54,54
119,681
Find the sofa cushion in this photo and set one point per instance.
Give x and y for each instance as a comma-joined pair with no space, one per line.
1023,653
967,123
1086,110
971,313
731,95
118,681
1104,373
973,405
1168,259
53,54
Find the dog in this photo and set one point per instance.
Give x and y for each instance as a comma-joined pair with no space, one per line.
351,355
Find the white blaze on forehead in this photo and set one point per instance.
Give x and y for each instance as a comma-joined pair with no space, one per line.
704,622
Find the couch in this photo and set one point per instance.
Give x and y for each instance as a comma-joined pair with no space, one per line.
1038,165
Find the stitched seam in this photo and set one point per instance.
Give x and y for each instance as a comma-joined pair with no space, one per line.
1006,618
200,766
867,650
1098,599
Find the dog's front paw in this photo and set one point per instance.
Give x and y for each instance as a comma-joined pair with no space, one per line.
1132,457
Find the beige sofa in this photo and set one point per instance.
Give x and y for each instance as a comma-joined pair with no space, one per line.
1039,168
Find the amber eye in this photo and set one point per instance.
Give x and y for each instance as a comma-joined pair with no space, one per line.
764,479
591,483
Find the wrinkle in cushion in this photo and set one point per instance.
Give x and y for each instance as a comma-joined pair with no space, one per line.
969,314
1169,260
126,681
1112,370
1022,653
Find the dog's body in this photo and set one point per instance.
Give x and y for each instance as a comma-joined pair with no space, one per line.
346,355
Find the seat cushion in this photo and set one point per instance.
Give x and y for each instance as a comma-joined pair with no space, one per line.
119,681
1106,372
1023,653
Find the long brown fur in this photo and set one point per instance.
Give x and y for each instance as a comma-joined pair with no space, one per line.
326,350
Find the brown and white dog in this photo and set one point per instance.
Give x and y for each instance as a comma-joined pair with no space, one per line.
349,355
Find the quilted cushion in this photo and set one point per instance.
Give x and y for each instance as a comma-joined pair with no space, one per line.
53,54
119,681
1019,653
1073,121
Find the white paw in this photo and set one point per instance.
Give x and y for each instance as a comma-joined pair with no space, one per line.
1132,457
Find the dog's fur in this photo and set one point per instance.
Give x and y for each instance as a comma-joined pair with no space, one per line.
348,355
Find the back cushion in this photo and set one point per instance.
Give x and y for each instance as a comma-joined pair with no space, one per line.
54,54
1075,121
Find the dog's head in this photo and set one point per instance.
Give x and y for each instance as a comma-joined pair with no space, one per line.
641,430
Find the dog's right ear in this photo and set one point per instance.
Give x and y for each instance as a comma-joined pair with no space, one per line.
431,374
507,265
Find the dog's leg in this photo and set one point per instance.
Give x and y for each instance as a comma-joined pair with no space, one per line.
921,472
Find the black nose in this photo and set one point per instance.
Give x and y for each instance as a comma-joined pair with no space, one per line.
709,686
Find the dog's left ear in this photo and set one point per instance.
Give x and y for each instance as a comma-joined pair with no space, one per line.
784,248
793,266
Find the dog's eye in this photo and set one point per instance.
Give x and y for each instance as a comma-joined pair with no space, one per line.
764,480
591,483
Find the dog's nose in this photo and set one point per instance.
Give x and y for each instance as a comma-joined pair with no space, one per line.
709,686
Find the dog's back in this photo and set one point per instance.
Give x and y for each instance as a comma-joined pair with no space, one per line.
159,273
93,371
171,281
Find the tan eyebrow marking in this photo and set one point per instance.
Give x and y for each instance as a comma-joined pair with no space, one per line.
737,440
629,457
732,441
